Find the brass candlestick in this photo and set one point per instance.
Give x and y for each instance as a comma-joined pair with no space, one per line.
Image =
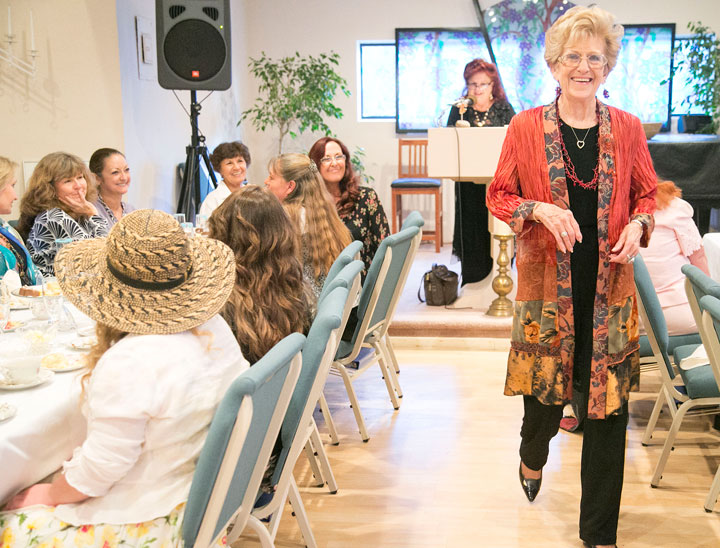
502,284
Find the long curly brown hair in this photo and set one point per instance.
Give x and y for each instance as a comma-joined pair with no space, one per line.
324,234
349,184
269,300
41,195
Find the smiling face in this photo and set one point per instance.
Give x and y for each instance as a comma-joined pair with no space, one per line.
8,196
72,187
279,186
479,87
332,165
580,83
115,176
233,172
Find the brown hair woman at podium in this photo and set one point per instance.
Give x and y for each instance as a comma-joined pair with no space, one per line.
576,183
485,105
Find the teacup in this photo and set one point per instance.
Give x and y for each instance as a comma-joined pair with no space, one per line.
22,370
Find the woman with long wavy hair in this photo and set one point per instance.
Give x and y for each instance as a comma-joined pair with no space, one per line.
268,301
295,180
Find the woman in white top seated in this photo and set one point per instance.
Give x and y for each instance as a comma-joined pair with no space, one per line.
231,161
163,360
295,180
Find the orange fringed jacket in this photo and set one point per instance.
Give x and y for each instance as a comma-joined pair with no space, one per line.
531,170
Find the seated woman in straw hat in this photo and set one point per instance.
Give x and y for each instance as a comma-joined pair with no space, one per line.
269,301
163,359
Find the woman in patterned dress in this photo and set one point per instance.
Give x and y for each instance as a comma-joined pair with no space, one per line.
58,205
112,176
358,206
576,184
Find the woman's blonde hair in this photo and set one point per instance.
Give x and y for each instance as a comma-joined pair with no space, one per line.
269,299
41,195
7,170
580,23
324,234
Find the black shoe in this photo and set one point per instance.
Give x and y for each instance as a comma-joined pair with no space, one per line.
531,487
586,545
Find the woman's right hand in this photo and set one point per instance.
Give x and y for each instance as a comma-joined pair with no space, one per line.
560,222
79,204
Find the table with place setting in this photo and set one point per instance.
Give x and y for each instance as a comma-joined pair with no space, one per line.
41,421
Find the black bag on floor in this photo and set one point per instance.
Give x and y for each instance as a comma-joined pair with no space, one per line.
441,286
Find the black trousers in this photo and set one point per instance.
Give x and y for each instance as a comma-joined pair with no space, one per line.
471,238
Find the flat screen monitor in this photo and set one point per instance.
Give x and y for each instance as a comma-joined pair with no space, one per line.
644,61
430,64
683,81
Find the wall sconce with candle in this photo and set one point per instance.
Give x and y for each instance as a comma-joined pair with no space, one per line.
7,55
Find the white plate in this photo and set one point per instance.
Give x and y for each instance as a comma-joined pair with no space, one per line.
7,411
44,376
16,292
60,362
13,326
82,343
19,304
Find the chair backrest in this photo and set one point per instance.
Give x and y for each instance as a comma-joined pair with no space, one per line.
382,280
317,355
710,306
229,470
350,253
697,285
413,219
652,315
412,158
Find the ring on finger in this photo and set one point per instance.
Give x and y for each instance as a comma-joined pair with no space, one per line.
631,259
563,234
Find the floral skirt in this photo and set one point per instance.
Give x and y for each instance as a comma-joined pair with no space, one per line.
37,526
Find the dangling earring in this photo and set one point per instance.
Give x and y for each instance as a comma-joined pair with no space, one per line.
558,91
491,96
606,94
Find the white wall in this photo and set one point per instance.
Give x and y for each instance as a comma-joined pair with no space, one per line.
313,26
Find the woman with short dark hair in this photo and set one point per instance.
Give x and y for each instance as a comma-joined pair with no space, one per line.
231,161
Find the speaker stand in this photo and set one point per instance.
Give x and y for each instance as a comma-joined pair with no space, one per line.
189,199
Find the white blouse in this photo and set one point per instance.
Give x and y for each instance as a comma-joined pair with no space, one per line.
149,404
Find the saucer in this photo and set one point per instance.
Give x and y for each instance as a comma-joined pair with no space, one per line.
19,303
44,376
60,362
7,411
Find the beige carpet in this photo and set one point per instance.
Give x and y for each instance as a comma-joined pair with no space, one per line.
465,318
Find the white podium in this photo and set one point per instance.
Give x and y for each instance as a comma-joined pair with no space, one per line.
472,154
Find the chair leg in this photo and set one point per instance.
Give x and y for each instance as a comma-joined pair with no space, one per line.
256,525
329,422
438,220
300,514
714,492
383,353
669,441
323,460
314,466
353,401
653,417
391,354
395,199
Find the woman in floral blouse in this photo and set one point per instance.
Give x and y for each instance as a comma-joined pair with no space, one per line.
358,206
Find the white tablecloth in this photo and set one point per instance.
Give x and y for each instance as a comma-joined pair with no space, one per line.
47,427
711,242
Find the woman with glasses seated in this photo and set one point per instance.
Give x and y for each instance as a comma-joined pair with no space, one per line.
295,180
484,105
14,256
57,205
576,184
358,206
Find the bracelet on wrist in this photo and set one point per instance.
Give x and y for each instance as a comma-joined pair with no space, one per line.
638,221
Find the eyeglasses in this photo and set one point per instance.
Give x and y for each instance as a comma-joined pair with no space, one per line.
478,86
594,60
326,160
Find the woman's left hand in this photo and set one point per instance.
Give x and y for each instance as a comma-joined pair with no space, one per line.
37,494
628,244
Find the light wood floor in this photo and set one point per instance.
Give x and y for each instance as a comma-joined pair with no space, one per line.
442,471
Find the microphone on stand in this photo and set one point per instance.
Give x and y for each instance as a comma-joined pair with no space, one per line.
463,104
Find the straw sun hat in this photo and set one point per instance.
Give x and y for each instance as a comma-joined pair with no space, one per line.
147,276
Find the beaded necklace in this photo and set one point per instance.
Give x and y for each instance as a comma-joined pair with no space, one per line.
569,166
478,121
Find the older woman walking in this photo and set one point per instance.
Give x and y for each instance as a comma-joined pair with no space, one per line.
575,182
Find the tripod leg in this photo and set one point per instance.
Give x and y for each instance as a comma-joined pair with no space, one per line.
209,167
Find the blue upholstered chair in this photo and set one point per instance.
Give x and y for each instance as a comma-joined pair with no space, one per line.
413,180
654,321
378,296
238,447
347,255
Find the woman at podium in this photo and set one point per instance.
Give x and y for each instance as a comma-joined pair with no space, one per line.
484,104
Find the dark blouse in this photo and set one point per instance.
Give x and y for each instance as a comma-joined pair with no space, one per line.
583,201
367,223
499,114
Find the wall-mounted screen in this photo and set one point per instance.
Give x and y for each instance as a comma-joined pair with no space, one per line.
644,61
430,64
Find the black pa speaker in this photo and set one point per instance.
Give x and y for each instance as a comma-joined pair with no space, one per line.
193,44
